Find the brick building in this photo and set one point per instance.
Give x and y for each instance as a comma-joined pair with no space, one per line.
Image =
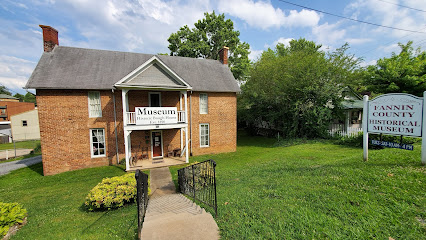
97,107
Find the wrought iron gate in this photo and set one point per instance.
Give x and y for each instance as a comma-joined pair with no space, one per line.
199,182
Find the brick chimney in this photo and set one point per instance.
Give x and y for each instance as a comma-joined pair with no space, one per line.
223,55
50,38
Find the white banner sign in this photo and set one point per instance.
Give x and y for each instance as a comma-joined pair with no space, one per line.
396,114
156,115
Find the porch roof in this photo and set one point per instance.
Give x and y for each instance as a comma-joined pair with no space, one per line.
79,68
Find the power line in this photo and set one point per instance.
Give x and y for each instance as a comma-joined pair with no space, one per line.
352,19
368,51
416,9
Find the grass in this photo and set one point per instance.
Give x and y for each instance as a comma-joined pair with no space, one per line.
317,190
55,205
23,144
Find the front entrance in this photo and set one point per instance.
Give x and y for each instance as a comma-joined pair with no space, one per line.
157,144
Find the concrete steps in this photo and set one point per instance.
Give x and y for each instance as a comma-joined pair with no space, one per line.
173,216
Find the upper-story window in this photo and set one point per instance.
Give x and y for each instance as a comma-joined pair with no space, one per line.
95,109
204,108
154,99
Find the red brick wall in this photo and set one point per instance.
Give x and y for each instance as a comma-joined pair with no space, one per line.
65,126
222,120
16,107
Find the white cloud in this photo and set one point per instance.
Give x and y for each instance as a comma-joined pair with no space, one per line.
357,41
255,54
327,34
285,41
365,64
14,72
263,15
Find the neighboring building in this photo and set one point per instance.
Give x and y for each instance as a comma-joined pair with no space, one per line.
98,106
5,97
25,126
10,108
5,132
352,122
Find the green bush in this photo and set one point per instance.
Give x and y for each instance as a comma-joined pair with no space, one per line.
10,214
113,192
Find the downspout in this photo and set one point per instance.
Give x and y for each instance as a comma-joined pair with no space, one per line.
190,121
115,128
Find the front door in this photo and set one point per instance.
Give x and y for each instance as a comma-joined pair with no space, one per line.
157,144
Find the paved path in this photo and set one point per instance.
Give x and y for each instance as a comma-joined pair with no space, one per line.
172,216
7,167
10,153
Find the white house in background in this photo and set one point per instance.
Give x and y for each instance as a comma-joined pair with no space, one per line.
25,126
5,132
352,122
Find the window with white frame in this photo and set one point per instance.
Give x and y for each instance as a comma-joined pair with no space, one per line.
204,135
204,108
95,109
97,142
24,123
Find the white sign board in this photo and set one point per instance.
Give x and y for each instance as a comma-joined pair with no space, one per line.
156,115
396,114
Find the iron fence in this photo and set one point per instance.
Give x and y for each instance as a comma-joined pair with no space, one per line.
199,182
142,197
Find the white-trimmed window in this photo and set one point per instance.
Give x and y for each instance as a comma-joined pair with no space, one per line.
95,109
24,123
204,107
97,142
204,135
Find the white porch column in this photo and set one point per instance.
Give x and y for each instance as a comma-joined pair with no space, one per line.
185,94
186,145
126,148
125,101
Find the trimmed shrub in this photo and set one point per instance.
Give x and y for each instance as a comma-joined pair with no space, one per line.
10,215
113,192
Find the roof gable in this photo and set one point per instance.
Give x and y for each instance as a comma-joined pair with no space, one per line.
153,74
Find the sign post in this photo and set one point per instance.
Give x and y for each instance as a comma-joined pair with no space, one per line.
395,114
364,127
424,131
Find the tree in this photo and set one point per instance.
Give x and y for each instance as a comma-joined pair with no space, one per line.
297,89
20,96
207,38
29,97
401,73
4,90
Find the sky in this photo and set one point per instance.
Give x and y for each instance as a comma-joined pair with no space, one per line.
144,25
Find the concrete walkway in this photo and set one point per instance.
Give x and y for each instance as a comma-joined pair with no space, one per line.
7,167
172,216
10,153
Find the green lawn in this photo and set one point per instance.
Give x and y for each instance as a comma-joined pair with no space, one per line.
23,144
55,205
317,190
313,190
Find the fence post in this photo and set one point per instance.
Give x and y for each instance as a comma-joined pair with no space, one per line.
214,183
137,174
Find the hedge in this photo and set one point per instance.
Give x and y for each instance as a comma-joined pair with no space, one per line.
113,192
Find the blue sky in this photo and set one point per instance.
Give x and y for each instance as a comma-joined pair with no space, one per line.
144,26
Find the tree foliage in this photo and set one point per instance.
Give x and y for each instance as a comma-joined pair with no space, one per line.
206,39
4,90
296,88
401,73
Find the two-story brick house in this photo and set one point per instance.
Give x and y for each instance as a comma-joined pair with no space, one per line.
97,106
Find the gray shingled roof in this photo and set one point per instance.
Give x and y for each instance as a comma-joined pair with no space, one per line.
79,68
5,96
